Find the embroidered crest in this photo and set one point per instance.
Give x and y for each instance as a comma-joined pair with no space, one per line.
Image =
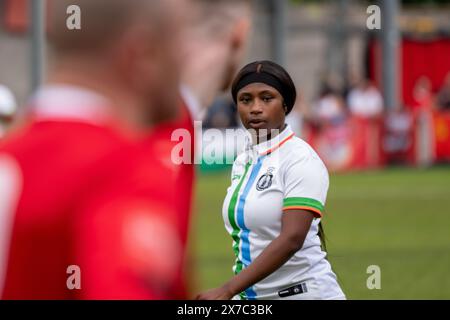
265,181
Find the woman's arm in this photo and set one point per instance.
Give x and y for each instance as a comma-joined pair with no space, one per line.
295,225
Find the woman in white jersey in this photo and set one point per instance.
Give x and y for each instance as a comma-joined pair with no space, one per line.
273,207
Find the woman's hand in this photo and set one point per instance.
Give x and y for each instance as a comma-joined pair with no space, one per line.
222,293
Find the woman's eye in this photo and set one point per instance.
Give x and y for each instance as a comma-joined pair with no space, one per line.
267,99
244,100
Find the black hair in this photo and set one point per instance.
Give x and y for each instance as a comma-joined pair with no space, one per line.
281,80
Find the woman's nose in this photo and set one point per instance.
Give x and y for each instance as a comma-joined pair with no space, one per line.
256,107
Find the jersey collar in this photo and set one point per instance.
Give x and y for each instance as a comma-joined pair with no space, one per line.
192,102
65,102
267,147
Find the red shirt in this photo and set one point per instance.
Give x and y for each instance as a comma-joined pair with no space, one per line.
161,144
79,196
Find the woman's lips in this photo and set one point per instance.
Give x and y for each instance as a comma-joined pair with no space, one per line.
256,124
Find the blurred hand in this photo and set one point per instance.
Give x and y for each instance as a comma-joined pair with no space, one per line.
221,293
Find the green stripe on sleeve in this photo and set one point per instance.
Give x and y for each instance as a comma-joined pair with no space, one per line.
302,202
232,218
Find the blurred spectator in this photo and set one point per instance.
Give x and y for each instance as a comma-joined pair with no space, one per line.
365,100
8,108
443,97
398,138
332,136
295,118
422,94
329,109
425,132
222,114
351,82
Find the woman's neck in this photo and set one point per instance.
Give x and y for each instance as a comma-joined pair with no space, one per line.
270,135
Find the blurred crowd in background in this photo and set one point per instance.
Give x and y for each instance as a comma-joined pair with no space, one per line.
340,109
330,120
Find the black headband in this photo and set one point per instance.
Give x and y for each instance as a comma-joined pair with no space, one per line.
266,78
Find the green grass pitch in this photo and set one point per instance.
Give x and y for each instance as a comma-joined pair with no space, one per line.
398,219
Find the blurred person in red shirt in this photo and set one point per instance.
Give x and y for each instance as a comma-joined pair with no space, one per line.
80,217
329,109
423,95
214,43
398,135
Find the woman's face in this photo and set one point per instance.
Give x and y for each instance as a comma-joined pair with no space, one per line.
260,106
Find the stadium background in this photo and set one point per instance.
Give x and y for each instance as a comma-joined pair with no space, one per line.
394,216
381,212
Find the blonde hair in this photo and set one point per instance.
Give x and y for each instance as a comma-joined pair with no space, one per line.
216,17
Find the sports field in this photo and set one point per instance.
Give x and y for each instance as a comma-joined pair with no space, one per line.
398,219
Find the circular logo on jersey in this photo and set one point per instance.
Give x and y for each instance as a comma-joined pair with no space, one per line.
264,182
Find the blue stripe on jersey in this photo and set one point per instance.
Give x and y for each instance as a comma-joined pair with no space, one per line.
245,243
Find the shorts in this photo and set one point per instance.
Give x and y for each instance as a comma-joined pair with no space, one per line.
305,290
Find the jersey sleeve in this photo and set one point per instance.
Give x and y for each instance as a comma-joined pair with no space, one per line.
306,184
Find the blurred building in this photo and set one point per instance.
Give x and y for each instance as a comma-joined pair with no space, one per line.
314,40
316,43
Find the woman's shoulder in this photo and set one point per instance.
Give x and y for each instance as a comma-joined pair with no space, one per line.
240,160
298,150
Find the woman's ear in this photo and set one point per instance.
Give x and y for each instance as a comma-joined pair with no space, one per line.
285,108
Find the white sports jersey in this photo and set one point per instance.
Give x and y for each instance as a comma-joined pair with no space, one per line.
268,179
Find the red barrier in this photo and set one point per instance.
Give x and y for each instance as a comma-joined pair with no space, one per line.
431,138
442,136
358,144
351,144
